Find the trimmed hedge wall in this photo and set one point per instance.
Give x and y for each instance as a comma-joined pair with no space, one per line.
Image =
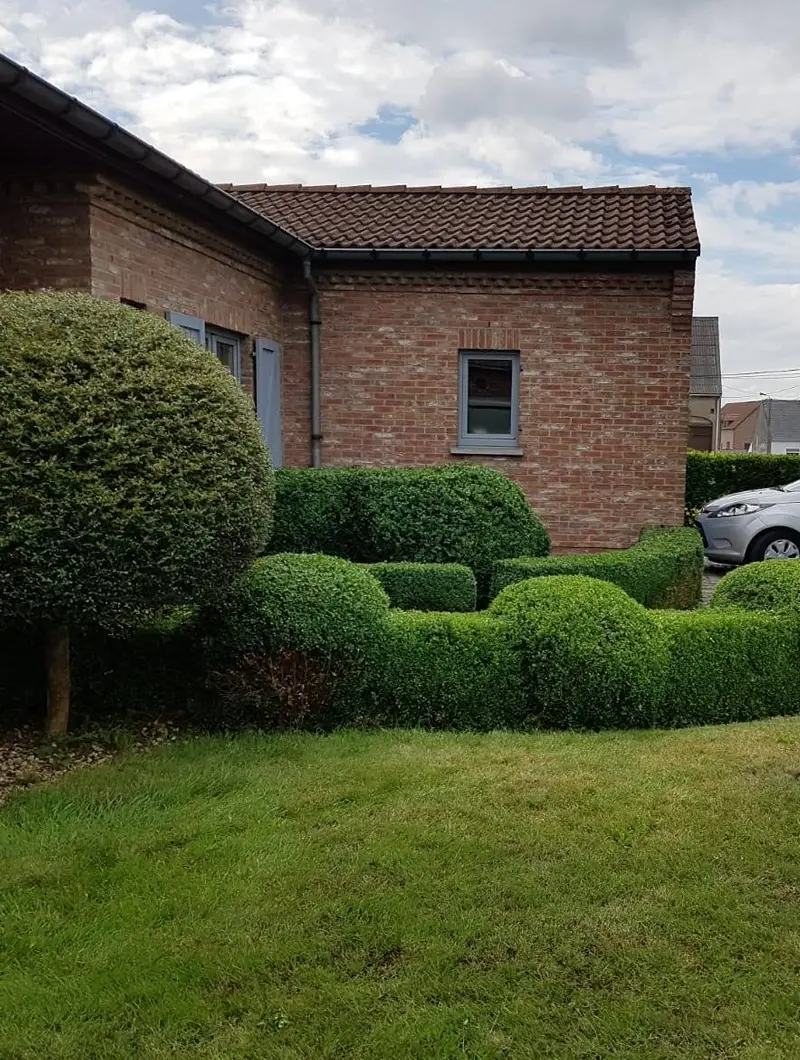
713,475
445,671
663,570
452,514
427,586
771,586
728,666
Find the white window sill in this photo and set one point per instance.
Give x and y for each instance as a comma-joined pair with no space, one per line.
486,450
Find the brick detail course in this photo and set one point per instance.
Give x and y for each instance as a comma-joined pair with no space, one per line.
604,387
144,252
44,233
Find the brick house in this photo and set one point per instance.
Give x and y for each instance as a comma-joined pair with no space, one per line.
544,332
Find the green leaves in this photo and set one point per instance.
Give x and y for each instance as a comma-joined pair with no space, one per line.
452,514
710,476
132,470
427,586
663,570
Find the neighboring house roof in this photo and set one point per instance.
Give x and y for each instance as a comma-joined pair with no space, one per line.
782,420
736,412
706,371
646,220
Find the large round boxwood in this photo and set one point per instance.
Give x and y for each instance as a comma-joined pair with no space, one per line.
773,585
132,470
594,658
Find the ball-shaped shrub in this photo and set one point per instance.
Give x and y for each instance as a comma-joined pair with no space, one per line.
593,657
451,514
132,470
773,585
303,602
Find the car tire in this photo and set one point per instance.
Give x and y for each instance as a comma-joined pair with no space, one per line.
774,544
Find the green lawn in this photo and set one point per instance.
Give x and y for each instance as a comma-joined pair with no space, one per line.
405,895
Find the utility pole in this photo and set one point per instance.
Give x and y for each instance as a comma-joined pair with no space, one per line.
768,416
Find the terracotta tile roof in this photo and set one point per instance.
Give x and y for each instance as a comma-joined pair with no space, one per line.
612,218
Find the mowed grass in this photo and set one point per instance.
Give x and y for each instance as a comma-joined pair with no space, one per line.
403,895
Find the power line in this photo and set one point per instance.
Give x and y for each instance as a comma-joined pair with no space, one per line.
771,375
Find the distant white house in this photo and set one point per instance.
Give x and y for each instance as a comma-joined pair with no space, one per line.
777,427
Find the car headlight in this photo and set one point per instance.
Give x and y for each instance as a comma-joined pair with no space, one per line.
741,509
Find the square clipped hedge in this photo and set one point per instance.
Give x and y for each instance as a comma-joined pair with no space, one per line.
664,569
710,476
427,586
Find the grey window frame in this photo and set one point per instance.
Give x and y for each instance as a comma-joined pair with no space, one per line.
233,339
488,442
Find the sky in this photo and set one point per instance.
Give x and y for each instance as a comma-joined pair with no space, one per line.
703,93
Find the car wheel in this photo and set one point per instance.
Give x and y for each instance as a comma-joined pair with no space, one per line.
776,544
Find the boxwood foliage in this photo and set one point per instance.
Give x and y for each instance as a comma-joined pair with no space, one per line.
728,666
428,586
444,671
592,657
710,476
770,586
451,514
664,569
132,470
308,603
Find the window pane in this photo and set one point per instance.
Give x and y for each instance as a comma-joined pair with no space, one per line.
226,353
488,419
490,381
489,391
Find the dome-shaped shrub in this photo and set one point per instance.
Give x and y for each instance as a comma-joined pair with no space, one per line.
132,470
593,657
293,641
773,585
303,602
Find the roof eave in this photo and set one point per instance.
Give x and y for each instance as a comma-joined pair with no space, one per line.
498,254
106,134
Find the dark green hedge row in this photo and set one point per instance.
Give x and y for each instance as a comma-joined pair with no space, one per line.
427,586
453,514
311,640
713,475
663,570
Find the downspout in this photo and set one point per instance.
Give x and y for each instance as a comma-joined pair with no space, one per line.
315,329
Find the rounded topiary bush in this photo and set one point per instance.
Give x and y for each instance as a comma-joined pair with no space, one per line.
451,514
132,470
770,586
293,640
302,602
593,657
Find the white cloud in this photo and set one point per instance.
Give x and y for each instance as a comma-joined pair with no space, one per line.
518,91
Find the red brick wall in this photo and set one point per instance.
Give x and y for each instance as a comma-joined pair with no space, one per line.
146,253
44,233
604,390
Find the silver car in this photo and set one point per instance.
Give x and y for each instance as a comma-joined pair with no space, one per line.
756,525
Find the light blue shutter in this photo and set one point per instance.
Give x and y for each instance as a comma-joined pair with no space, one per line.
268,396
191,326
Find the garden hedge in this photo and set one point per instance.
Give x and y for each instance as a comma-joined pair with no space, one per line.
726,666
452,514
710,476
444,671
663,570
768,586
427,586
591,656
